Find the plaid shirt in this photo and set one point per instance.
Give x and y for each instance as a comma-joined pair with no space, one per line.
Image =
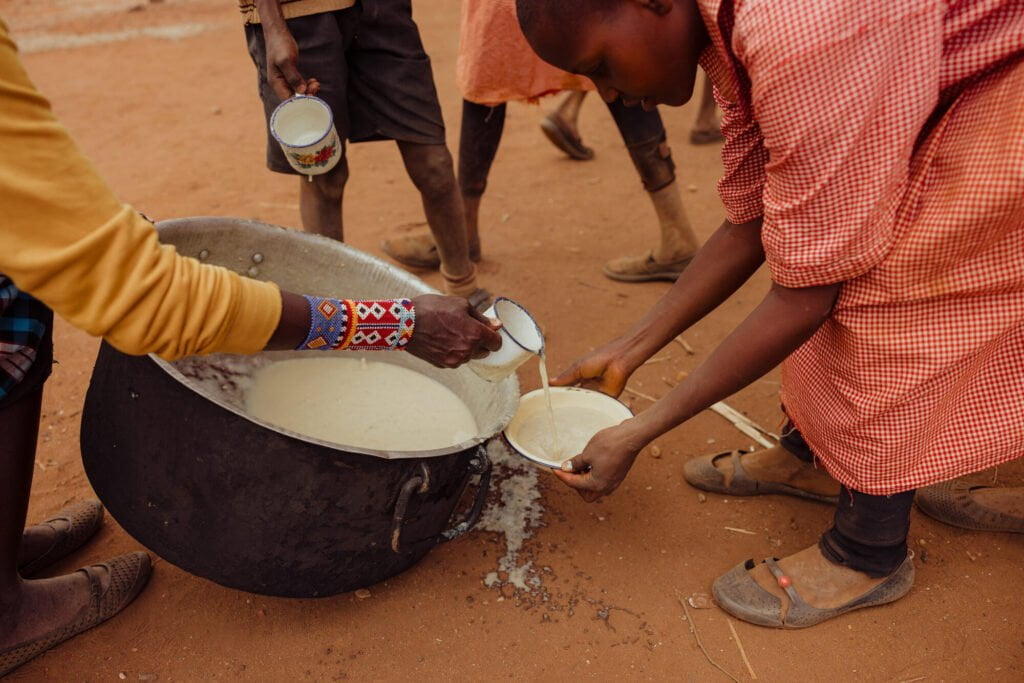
882,142
22,329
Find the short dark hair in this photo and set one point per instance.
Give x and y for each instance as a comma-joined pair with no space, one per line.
534,14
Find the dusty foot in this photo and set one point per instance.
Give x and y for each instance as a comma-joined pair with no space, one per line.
817,581
37,607
780,466
1008,500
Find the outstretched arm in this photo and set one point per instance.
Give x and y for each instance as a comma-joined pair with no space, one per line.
784,320
69,242
725,262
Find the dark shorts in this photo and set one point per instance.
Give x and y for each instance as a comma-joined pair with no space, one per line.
26,343
372,70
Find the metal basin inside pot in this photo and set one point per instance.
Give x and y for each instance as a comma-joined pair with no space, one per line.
172,453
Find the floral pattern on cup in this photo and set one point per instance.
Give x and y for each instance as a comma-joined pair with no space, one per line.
320,158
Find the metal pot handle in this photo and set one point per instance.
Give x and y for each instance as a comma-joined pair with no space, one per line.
420,483
479,464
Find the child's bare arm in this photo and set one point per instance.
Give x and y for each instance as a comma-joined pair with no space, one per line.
725,262
282,53
783,321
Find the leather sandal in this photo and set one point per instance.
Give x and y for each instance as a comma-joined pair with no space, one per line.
413,249
562,137
418,250
128,576
81,521
702,474
951,503
644,268
739,595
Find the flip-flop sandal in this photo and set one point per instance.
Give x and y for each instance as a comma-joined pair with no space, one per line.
414,249
564,139
951,502
128,576
739,595
82,520
702,473
644,269
705,137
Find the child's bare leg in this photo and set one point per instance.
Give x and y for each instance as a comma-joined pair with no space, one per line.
562,127
479,139
678,240
320,201
706,129
431,170
569,108
28,609
645,139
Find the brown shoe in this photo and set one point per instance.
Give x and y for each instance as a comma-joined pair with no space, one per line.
701,473
562,137
413,249
128,576
953,503
82,520
644,268
418,250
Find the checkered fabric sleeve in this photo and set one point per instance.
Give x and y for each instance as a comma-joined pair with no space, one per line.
359,325
21,331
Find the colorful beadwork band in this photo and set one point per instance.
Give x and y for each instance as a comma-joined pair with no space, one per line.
370,325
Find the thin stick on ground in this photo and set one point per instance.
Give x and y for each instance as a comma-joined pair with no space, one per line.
743,653
696,636
685,345
640,394
742,423
658,359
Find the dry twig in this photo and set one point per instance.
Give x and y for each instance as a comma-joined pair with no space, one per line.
743,653
740,531
640,394
685,345
742,423
696,636
658,359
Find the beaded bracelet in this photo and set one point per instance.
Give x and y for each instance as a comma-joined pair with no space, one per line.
369,325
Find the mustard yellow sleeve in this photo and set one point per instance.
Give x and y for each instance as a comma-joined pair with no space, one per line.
68,241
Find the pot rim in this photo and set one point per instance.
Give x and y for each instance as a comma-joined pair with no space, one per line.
406,284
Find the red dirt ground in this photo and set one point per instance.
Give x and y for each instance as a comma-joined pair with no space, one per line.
176,128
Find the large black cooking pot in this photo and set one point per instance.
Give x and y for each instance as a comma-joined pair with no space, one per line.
171,452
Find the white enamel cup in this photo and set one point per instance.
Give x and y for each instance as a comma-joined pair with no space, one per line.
304,127
521,338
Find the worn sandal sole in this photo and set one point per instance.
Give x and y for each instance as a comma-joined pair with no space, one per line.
738,594
128,576
701,473
83,519
951,503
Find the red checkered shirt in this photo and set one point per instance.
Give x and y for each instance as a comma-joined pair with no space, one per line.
883,144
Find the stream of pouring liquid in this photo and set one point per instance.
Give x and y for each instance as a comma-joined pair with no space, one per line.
558,450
